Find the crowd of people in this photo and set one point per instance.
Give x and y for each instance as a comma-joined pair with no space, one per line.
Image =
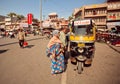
10,34
20,34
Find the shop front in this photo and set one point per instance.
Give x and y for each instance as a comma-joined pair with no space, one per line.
113,25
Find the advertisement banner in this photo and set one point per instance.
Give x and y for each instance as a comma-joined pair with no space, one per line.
29,17
23,24
114,16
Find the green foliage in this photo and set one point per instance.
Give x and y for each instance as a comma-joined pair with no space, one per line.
11,14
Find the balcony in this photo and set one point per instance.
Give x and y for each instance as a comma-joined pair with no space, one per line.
100,23
114,6
112,16
113,9
8,23
97,15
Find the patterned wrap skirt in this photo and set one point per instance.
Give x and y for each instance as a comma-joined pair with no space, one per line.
57,64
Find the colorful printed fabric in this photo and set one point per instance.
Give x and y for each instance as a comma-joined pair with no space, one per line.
57,64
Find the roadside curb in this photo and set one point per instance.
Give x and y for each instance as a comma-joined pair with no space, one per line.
14,41
117,49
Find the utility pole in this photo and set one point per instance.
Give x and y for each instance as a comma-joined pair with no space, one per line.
40,14
41,29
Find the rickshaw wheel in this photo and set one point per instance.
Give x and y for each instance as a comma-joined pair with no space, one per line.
80,67
88,61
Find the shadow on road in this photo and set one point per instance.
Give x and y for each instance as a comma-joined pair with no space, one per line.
29,46
8,43
35,39
3,51
114,48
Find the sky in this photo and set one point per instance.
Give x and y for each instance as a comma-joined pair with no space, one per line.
64,8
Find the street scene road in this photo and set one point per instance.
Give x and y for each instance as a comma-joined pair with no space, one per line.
31,65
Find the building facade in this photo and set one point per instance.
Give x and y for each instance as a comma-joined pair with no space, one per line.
97,12
105,15
54,22
113,13
2,22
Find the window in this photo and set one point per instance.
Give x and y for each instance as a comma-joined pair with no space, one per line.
94,12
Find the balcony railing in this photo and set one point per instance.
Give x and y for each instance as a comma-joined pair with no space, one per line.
97,15
100,23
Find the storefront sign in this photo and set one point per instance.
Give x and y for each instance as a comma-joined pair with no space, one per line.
82,22
114,16
113,23
23,24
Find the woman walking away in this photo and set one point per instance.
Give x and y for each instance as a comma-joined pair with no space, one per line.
55,52
21,37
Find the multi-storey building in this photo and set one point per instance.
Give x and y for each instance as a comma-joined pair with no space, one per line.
53,18
113,13
10,23
63,23
79,13
2,21
97,12
14,23
105,15
54,22
2,18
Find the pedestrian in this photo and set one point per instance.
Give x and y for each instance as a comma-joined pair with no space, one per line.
21,37
63,38
10,33
55,52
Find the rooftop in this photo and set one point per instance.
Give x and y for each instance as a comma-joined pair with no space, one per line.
54,13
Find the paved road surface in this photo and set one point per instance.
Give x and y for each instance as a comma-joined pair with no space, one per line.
31,66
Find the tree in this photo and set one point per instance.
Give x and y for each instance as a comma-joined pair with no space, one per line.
71,17
20,17
15,18
35,20
11,14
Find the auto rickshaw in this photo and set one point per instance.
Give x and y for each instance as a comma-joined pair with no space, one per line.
82,42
